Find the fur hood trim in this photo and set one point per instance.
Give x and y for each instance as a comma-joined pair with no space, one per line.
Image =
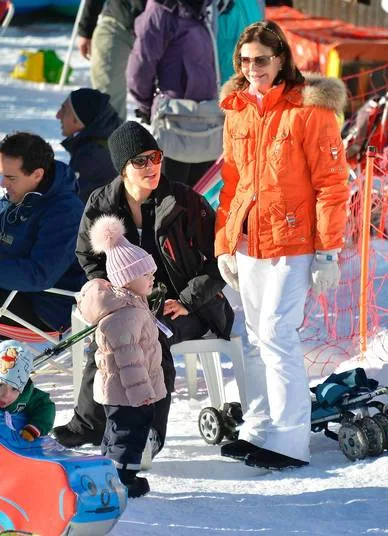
324,92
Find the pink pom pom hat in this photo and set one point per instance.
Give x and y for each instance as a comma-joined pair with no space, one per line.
124,261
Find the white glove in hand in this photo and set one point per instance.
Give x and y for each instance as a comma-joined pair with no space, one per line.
325,272
227,266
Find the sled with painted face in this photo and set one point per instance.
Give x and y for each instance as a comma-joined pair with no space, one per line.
48,490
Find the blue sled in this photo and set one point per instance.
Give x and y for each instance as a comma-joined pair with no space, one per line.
48,490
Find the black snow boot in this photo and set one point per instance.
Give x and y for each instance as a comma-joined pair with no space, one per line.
271,460
137,486
238,449
69,438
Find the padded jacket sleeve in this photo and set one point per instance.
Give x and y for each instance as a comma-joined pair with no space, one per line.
153,29
230,177
89,17
93,264
329,174
200,225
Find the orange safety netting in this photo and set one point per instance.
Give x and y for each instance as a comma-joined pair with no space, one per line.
331,330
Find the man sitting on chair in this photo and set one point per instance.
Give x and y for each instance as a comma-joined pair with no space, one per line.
39,218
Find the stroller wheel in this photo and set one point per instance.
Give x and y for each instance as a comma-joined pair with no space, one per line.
353,441
211,426
382,420
374,435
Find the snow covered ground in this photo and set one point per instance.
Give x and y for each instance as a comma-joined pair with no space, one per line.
194,491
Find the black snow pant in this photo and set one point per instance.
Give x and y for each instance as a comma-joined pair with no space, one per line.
126,433
90,416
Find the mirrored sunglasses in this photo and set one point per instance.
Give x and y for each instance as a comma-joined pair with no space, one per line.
142,160
258,61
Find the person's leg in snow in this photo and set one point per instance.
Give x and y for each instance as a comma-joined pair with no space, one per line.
88,422
276,428
124,440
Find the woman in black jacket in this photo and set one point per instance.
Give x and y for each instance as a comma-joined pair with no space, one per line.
175,225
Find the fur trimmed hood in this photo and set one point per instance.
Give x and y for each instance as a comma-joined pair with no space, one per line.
324,92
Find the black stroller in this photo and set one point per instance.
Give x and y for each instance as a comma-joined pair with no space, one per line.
346,399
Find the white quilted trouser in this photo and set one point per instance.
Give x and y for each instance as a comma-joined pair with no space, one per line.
273,294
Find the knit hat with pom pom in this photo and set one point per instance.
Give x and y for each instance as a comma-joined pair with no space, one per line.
124,261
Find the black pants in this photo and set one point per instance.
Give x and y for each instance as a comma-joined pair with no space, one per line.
126,434
184,172
90,416
21,306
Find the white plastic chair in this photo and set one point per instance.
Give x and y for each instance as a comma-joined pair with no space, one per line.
209,350
77,351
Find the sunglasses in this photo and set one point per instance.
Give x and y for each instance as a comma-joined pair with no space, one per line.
258,61
142,160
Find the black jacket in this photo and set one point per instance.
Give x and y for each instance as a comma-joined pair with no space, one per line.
90,159
124,11
184,238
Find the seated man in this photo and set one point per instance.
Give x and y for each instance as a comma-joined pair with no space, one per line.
87,121
39,218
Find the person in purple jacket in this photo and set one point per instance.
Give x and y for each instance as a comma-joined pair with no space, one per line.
173,52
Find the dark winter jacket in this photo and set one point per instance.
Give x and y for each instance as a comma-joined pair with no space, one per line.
37,244
124,11
173,49
184,238
37,408
90,159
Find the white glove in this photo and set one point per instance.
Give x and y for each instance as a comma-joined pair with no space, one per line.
325,272
227,266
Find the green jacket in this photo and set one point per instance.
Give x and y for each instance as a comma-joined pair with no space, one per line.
37,407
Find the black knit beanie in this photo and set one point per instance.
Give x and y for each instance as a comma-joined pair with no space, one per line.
88,103
129,140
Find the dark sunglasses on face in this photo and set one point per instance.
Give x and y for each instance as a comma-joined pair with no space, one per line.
142,160
258,61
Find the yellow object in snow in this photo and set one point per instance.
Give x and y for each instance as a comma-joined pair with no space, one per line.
29,66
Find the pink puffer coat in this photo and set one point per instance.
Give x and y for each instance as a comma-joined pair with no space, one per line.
129,354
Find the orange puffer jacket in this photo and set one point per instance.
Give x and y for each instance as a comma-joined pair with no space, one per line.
284,170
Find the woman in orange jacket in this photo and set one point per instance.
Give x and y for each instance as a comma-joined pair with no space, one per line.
279,228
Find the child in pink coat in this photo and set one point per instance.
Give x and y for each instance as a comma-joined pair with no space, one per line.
129,379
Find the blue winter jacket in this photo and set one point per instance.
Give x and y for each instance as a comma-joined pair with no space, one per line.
90,158
37,245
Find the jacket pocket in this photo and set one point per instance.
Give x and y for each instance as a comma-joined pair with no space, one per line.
291,225
243,145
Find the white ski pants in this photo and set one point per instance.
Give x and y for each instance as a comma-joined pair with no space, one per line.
273,294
